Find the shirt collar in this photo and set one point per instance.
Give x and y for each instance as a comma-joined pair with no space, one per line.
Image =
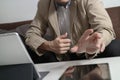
66,5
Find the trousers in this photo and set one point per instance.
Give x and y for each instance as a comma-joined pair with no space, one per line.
112,50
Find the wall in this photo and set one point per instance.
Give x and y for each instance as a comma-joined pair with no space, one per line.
17,10
111,3
20,10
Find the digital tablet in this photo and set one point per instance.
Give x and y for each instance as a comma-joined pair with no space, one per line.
87,72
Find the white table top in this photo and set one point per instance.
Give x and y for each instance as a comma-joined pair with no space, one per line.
56,69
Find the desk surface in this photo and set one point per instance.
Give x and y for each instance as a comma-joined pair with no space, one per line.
56,69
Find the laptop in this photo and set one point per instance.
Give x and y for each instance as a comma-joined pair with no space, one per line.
13,51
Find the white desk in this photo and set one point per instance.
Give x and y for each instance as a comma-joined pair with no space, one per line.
56,69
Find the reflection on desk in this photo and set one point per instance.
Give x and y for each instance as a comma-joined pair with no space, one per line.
56,69
43,74
87,72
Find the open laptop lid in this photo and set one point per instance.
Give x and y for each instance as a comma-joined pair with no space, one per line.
13,51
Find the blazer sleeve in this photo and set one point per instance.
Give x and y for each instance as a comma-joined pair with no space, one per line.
99,20
34,35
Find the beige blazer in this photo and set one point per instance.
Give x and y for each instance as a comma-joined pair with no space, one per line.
84,14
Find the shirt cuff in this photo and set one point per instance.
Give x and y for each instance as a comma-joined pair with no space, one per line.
91,56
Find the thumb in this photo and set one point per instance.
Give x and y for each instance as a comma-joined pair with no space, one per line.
64,35
102,47
74,49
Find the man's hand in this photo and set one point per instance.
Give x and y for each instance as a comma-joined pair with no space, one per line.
60,45
90,42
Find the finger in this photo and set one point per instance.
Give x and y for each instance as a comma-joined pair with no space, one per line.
74,49
102,47
65,45
91,50
70,70
64,49
94,47
65,41
95,36
64,35
97,43
87,33
63,52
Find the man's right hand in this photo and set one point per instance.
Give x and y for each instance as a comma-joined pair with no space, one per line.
60,45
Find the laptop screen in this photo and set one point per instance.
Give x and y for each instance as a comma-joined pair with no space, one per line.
13,51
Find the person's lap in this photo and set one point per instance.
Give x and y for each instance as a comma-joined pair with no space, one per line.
112,50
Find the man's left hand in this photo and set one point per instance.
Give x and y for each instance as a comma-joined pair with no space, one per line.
90,42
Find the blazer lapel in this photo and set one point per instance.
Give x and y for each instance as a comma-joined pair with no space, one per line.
73,9
53,18
53,15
